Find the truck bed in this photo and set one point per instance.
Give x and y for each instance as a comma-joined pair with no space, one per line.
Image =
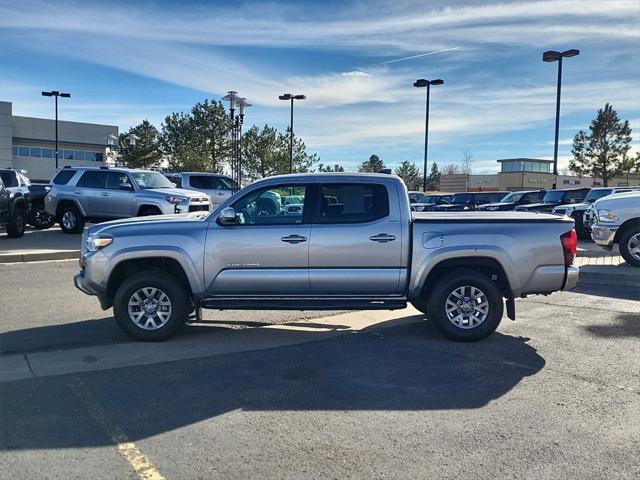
487,217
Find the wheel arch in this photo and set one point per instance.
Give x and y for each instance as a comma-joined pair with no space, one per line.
624,227
150,206
66,202
127,267
486,265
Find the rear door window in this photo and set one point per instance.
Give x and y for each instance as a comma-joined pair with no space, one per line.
92,179
353,203
63,177
115,179
9,179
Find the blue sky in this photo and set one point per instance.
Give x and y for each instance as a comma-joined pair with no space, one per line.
127,61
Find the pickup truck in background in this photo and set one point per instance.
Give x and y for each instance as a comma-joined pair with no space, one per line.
354,244
617,221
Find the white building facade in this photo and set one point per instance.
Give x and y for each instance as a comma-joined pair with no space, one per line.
28,144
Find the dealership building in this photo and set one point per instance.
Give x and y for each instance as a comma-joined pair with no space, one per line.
525,174
28,143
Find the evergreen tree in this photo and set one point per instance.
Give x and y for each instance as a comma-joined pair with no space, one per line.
601,152
410,175
145,153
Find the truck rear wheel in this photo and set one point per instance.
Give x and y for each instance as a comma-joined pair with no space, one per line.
151,306
630,245
70,219
466,306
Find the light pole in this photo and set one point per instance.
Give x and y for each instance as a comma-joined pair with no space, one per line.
242,104
232,97
553,56
420,83
56,94
292,97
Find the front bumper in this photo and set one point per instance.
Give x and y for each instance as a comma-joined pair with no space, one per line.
573,276
79,282
604,235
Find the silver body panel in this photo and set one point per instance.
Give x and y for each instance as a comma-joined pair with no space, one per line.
336,260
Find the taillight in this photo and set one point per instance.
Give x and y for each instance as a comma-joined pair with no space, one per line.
570,246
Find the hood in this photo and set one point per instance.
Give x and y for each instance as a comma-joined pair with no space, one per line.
497,204
151,220
178,192
536,206
579,206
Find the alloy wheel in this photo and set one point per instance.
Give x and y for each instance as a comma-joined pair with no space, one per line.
467,307
69,220
149,308
633,245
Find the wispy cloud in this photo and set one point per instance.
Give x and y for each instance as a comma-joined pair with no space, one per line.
204,48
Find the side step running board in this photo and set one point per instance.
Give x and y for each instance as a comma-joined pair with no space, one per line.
279,303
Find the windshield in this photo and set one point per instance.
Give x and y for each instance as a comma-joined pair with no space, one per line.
512,197
211,182
553,197
594,195
461,198
147,180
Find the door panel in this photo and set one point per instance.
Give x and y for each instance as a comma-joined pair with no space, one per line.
119,203
356,258
267,253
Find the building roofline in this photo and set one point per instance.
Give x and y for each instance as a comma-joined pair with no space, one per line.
524,159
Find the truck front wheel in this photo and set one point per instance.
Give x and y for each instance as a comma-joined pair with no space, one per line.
630,245
151,306
466,306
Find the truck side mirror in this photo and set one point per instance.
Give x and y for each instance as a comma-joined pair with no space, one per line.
126,186
227,216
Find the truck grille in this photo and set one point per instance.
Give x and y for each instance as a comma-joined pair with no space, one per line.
198,208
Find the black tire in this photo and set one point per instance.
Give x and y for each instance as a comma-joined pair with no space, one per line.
148,211
437,305
70,219
421,304
40,219
179,304
15,227
630,240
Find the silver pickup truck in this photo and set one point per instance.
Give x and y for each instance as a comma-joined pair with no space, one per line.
353,244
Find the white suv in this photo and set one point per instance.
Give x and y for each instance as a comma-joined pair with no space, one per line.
618,221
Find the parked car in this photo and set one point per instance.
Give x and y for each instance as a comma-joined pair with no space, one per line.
577,210
218,187
38,217
513,199
618,222
427,202
553,198
415,196
355,245
469,201
80,194
13,208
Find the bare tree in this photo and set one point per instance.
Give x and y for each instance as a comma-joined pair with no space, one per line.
467,160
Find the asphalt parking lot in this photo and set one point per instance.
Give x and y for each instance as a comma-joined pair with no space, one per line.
554,394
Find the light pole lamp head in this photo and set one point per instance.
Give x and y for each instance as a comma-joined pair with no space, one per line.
571,53
421,83
131,138
65,95
437,81
285,96
112,139
300,97
551,56
231,97
242,103
47,94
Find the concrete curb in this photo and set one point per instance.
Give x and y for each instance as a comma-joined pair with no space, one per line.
39,256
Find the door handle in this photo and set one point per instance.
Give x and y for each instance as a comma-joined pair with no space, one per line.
294,239
104,194
382,238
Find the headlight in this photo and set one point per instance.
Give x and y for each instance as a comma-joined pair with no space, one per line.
96,243
175,199
607,216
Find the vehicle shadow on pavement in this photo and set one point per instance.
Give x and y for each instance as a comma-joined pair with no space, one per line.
402,367
627,325
626,292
